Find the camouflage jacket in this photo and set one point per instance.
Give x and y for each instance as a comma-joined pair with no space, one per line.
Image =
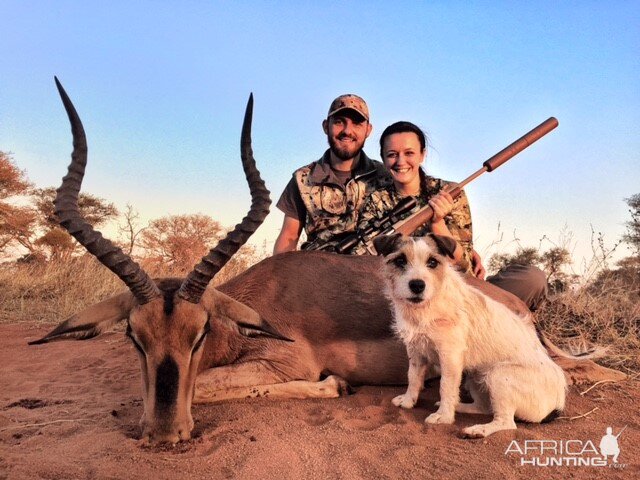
458,221
333,207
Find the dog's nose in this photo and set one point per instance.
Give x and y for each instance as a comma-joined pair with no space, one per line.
416,286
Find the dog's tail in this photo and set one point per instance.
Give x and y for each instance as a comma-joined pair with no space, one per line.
577,352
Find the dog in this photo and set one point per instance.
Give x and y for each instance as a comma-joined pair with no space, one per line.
444,320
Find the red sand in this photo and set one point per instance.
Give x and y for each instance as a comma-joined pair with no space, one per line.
71,410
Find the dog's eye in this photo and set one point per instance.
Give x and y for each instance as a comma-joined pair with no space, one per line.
432,263
400,261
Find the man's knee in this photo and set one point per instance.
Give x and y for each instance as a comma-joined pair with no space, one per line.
526,282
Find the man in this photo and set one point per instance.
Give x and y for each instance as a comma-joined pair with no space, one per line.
325,196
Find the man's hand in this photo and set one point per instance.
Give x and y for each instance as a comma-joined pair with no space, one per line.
478,268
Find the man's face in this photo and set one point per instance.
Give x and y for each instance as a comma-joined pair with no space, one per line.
346,131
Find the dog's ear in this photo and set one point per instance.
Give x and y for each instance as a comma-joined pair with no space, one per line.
385,244
446,245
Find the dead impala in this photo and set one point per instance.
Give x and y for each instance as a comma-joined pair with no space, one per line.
297,325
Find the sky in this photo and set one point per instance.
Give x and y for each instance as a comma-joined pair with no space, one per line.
161,88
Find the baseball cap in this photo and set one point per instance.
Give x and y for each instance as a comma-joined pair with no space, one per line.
351,102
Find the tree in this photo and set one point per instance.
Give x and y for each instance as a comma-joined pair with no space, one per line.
16,227
56,241
16,222
632,237
34,227
95,210
130,229
13,181
177,242
523,256
174,244
553,260
627,272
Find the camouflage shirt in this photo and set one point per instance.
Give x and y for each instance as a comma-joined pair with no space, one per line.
458,221
331,206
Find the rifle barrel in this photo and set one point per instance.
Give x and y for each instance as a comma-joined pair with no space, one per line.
625,427
519,145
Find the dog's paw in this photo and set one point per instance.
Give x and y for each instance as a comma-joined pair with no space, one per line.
476,431
439,417
486,429
403,401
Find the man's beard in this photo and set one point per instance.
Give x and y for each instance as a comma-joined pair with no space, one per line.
343,153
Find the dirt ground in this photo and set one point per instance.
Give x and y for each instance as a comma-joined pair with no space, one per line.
71,409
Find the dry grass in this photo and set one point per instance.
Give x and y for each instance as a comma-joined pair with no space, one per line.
605,314
50,292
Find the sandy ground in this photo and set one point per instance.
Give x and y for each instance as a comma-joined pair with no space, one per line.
71,410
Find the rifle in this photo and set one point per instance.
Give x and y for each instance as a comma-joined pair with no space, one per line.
367,233
362,240
618,435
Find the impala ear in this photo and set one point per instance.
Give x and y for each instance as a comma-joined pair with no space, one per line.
92,321
248,322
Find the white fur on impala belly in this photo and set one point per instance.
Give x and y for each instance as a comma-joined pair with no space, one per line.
443,320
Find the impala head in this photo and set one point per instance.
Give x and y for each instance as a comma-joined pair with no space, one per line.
168,320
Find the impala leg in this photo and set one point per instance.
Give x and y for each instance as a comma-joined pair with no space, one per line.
331,387
257,379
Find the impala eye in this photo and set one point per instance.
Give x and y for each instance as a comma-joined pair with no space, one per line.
432,263
133,340
400,261
200,342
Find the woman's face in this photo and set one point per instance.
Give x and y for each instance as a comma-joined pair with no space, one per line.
403,156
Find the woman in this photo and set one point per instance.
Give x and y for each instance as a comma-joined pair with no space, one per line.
403,148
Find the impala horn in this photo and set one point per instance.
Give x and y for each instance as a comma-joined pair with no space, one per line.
68,213
196,282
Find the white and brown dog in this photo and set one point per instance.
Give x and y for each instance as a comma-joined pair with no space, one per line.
444,320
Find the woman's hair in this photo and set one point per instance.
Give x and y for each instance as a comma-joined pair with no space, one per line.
403,127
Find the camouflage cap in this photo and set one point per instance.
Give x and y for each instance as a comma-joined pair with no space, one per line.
351,102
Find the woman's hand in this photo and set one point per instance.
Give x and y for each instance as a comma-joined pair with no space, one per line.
442,205
478,268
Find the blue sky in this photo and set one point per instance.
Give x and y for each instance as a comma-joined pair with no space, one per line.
161,88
